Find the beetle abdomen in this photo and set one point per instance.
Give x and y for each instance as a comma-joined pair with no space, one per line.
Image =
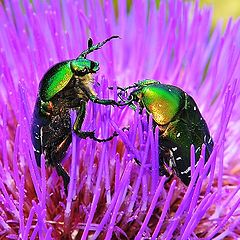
56,137
51,134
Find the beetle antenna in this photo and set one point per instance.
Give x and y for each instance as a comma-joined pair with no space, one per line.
92,47
131,86
118,88
90,43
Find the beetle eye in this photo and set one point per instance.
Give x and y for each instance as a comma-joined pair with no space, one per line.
139,96
92,65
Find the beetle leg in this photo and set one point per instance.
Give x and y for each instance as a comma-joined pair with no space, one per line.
163,159
162,169
88,134
164,172
80,118
91,135
169,179
104,101
79,121
92,97
104,139
62,173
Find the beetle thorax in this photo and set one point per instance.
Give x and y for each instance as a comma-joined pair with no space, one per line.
161,103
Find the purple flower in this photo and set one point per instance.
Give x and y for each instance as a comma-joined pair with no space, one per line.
110,196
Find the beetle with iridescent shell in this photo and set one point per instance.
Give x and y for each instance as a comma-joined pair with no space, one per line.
180,124
66,86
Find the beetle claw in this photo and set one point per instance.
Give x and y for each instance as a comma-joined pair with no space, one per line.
126,128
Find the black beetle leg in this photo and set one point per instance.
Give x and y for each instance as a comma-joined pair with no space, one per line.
91,134
163,170
137,161
79,121
62,173
109,138
169,178
93,98
80,117
104,139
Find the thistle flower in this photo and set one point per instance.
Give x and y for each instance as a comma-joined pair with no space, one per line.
110,196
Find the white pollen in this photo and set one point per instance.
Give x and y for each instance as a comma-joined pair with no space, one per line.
35,150
198,149
186,171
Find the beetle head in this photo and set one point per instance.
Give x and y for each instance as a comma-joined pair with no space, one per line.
137,94
131,98
81,66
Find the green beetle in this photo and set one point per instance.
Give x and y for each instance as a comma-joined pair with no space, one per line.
180,124
65,86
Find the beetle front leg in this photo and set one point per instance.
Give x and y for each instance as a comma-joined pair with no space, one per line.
93,98
111,102
91,134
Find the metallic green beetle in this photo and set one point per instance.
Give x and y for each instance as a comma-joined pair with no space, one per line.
65,86
180,124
